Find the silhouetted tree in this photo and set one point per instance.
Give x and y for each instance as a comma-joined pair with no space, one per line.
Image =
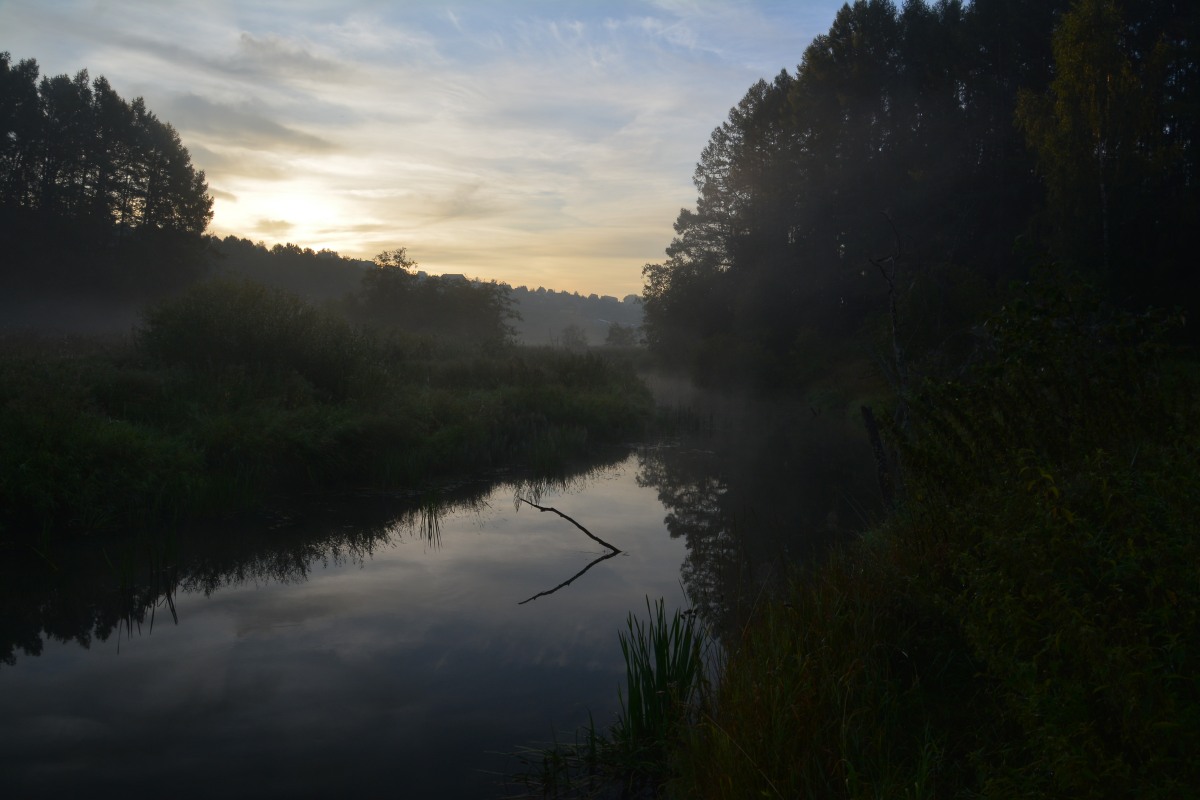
394,297
897,136
574,339
620,335
96,189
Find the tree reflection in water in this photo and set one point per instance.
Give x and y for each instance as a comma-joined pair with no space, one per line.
90,591
764,489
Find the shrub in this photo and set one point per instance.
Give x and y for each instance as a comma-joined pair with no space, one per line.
228,323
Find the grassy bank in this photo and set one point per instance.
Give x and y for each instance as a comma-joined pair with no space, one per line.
235,393
1024,625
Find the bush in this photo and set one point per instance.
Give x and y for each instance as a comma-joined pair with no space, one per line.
1057,481
227,323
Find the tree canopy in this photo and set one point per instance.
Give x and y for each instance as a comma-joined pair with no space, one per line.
86,173
966,142
394,297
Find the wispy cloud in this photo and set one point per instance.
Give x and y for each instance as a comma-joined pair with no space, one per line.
240,124
534,141
278,58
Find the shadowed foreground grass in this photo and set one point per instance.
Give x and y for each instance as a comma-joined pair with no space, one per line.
234,393
1024,625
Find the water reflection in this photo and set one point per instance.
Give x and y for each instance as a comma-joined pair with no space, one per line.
375,640
745,498
90,592
612,549
756,488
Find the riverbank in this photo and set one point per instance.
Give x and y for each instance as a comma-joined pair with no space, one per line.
1022,625
205,411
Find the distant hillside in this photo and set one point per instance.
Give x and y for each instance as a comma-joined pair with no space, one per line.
545,314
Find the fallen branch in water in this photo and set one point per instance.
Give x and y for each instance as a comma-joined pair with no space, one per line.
594,537
573,522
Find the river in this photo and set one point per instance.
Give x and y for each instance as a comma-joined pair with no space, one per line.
379,645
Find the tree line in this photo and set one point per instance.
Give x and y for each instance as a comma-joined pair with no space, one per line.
87,175
953,145
393,297
99,198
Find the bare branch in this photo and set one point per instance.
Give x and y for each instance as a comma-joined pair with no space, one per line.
573,522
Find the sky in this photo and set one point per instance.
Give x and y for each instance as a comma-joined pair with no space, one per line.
532,142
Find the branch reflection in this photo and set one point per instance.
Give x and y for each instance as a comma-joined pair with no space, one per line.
91,591
570,580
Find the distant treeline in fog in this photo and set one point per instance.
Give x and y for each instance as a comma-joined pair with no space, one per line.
543,316
102,210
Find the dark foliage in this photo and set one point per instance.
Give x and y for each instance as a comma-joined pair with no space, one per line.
96,193
394,298
1022,626
234,392
966,141
318,276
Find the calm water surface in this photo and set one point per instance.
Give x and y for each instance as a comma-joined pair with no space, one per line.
375,647
399,661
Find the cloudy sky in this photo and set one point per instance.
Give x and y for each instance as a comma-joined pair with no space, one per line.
535,142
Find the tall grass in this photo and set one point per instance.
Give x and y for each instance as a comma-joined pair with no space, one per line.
824,696
664,672
664,668
233,393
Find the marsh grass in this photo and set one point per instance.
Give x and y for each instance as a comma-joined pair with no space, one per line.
233,394
664,668
664,673
146,572
820,698
587,767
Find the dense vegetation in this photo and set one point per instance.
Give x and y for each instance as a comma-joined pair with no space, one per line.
1022,626
393,298
957,145
293,370
97,195
233,391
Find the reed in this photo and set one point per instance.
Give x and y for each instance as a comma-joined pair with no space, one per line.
664,674
664,668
